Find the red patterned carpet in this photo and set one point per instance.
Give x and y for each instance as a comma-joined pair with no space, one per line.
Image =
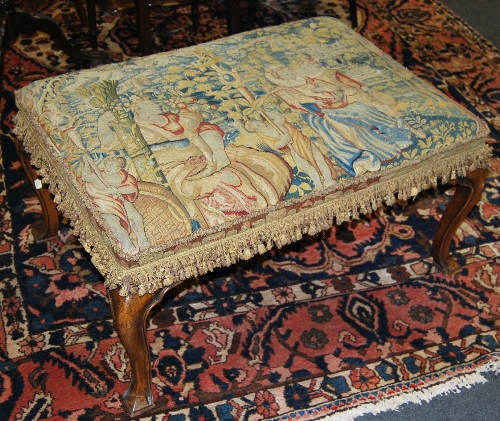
325,327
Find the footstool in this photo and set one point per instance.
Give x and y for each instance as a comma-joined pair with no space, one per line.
171,165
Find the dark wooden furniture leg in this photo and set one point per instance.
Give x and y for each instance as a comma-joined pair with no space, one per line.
130,315
47,227
195,14
252,10
467,195
80,10
353,11
233,16
92,23
144,27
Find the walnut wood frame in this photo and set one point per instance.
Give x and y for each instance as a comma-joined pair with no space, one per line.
130,313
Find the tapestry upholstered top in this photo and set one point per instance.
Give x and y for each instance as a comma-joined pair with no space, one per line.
176,163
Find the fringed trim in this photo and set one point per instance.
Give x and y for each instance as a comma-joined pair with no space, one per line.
165,269
464,380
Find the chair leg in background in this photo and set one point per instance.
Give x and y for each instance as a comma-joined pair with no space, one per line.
47,227
353,11
144,27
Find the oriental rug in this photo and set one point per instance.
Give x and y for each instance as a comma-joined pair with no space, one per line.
328,327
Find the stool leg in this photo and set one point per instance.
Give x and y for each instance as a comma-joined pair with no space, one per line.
47,227
130,314
467,195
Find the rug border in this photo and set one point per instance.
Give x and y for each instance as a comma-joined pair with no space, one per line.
455,384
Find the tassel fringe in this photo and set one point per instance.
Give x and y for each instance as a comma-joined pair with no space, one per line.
157,268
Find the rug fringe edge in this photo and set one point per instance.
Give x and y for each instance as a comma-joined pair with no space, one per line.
426,394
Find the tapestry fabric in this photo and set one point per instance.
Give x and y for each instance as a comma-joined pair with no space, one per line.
198,158
353,320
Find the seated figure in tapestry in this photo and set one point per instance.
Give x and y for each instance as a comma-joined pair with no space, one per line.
209,137
114,191
361,130
139,213
275,133
214,182
217,178
158,128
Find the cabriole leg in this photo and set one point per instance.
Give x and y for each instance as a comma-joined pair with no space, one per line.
130,315
467,195
47,227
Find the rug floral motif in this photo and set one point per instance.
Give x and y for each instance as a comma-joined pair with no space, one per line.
352,316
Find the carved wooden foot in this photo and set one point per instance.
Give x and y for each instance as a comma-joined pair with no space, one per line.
47,227
130,315
467,195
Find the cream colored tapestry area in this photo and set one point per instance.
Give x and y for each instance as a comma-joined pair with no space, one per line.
171,165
